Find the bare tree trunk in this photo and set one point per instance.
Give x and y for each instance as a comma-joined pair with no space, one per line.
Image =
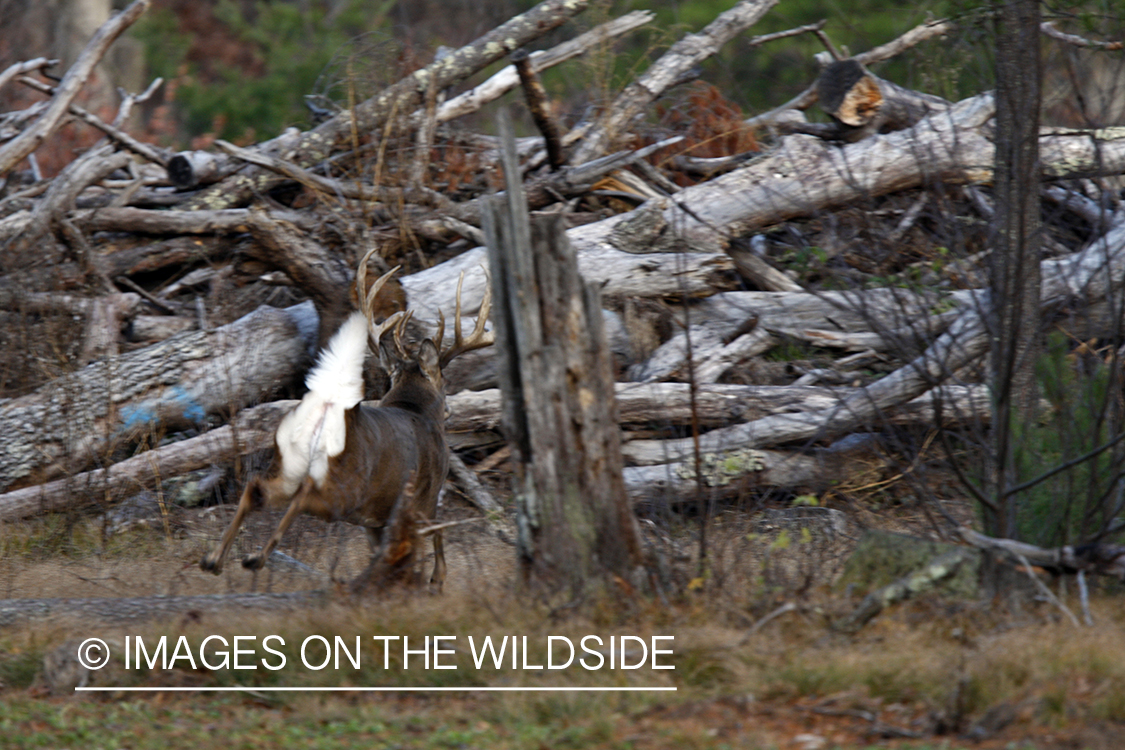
575,522
1014,321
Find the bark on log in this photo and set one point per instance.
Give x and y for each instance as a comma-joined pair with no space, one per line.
75,420
145,221
891,316
89,168
918,582
252,430
802,176
1103,559
474,411
805,174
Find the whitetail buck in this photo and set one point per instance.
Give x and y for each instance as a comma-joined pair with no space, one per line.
340,460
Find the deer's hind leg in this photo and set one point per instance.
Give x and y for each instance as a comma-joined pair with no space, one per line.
250,500
296,506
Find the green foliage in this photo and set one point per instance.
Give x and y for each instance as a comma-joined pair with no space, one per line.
290,43
1074,503
763,77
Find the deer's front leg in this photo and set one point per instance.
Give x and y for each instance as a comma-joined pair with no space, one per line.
258,560
212,562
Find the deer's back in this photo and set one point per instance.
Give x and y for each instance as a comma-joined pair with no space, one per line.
391,444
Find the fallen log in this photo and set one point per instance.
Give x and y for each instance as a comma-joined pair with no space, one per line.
1098,558
77,419
638,404
1086,276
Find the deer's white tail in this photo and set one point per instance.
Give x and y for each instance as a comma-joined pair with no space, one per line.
315,431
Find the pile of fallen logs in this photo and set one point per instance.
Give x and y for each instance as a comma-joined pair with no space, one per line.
147,249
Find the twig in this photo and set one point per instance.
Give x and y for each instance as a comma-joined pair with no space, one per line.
472,486
1042,587
507,79
154,301
354,191
21,68
143,150
828,45
1048,28
438,527
12,152
783,609
1084,598
128,101
908,218
537,104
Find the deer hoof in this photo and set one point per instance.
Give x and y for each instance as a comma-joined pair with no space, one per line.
254,562
210,564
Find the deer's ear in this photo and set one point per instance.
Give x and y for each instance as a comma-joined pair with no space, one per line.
430,361
387,356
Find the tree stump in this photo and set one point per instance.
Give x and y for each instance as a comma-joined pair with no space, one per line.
558,410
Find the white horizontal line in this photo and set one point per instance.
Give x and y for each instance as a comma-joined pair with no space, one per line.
375,689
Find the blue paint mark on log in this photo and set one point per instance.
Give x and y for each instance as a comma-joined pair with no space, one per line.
193,411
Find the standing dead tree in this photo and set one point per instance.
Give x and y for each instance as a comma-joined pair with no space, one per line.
575,524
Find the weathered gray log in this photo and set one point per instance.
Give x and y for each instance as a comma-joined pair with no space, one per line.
1099,558
89,168
472,411
917,582
158,328
805,174
575,524
1081,278
402,97
734,473
252,430
717,405
507,79
146,221
801,176
14,151
896,317
75,420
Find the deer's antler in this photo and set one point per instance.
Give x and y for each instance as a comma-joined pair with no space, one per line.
367,301
478,339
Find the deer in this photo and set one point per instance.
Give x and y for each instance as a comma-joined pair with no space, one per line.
340,460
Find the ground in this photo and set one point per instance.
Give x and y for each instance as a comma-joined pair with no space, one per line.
756,662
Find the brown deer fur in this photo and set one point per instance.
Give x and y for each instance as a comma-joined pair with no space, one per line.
385,444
